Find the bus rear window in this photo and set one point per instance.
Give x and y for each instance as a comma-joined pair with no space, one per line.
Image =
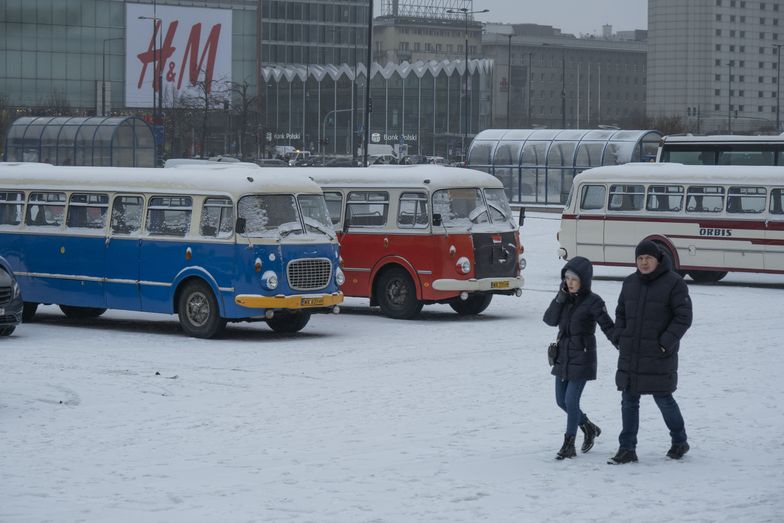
11,208
169,215
46,209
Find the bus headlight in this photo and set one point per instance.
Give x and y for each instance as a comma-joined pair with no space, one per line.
463,265
522,263
270,280
340,278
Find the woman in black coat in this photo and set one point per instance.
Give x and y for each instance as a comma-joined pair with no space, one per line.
575,311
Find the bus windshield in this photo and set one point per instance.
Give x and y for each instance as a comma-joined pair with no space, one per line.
269,215
500,211
460,207
314,210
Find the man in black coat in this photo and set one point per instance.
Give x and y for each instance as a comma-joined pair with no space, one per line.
654,311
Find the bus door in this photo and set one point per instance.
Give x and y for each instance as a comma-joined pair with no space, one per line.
82,249
122,253
413,240
774,232
589,233
365,239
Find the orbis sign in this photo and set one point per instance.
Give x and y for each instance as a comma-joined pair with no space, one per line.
188,48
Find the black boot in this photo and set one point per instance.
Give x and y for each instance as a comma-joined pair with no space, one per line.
678,450
622,457
567,450
591,432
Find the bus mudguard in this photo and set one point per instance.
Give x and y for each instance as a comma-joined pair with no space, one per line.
202,274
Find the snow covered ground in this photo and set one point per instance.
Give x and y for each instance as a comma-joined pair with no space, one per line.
366,419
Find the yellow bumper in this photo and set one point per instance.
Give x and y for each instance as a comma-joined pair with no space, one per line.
296,301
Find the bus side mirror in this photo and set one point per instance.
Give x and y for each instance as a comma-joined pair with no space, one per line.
521,220
437,220
240,226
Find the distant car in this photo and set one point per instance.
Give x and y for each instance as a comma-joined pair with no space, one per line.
10,300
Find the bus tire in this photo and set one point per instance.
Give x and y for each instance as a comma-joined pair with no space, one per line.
7,331
28,311
475,304
707,276
397,295
287,323
198,311
81,313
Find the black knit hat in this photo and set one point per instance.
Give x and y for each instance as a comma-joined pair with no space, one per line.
648,247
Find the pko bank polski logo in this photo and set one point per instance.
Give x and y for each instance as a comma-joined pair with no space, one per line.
183,53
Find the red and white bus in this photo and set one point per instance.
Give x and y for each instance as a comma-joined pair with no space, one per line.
708,219
422,234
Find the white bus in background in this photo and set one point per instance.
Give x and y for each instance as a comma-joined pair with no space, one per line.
707,220
722,150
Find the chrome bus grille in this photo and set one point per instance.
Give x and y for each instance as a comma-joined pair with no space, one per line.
309,274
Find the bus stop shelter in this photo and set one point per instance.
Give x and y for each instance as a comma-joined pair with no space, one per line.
125,141
538,165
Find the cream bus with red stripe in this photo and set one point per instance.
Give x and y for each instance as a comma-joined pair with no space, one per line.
709,220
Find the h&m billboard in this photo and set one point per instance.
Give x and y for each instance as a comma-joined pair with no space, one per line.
193,45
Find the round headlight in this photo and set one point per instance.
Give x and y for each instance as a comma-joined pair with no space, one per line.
270,280
463,265
522,263
340,278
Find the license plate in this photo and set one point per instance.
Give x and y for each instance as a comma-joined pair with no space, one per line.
499,284
310,302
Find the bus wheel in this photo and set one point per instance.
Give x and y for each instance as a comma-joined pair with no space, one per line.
81,313
707,276
198,311
475,304
7,331
397,295
288,322
28,311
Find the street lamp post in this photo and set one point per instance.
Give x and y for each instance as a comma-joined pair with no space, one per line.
157,74
509,85
465,12
778,86
563,89
729,98
368,101
103,73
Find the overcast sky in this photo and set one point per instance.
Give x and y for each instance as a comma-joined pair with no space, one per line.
571,16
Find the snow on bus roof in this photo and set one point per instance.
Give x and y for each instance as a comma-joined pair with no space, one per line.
722,138
679,173
432,176
220,179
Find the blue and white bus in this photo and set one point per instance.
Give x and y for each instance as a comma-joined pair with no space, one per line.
211,245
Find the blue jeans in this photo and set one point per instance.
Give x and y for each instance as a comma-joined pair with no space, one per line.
630,413
567,396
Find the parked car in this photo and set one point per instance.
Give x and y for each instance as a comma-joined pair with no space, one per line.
10,300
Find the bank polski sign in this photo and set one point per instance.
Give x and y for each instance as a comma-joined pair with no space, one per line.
194,46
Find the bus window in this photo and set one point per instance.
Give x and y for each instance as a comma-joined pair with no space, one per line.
592,198
217,218
169,215
334,205
498,203
315,214
460,207
127,214
626,197
746,200
87,211
777,201
412,211
45,209
367,208
269,215
11,206
665,198
705,199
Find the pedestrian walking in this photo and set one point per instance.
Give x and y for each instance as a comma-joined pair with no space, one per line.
576,310
654,311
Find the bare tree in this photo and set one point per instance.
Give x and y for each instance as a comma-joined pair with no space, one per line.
56,104
5,120
207,96
244,107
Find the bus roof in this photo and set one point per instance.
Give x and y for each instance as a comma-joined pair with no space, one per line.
225,179
722,138
676,173
429,176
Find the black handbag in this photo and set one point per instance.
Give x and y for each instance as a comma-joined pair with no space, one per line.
552,352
